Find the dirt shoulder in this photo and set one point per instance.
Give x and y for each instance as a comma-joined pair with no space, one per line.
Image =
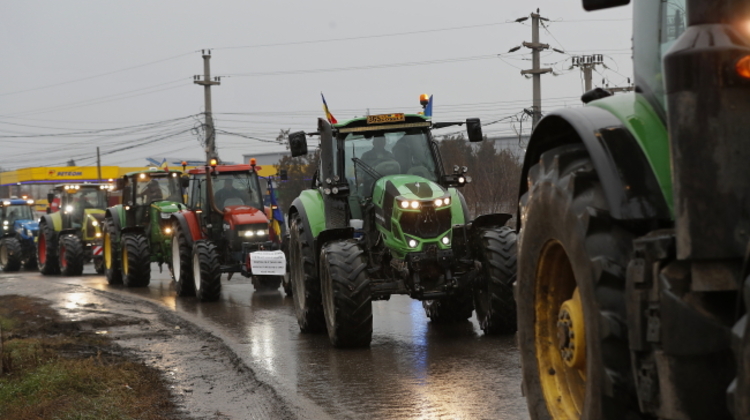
206,378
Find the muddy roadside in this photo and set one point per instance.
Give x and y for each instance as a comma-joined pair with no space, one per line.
206,378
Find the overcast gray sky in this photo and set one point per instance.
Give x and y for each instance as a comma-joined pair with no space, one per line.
78,74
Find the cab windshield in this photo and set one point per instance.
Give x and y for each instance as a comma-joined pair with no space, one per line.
237,189
161,187
15,212
86,199
373,155
659,24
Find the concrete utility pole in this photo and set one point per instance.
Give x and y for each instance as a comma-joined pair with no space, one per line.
587,64
211,152
98,166
536,72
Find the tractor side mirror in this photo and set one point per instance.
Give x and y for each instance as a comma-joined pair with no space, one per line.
474,129
283,175
298,143
120,183
603,4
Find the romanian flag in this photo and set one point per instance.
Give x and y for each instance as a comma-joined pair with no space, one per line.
277,217
329,116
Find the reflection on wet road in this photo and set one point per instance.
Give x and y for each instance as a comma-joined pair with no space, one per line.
413,369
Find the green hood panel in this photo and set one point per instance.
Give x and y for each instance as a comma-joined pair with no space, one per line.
410,187
168,206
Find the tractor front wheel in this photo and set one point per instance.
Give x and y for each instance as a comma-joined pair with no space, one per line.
206,271
10,254
70,255
46,250
572,330
347,301
304,278
111,263
493,290
181,267
136,260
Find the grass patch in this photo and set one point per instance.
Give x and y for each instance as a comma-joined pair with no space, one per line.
52,370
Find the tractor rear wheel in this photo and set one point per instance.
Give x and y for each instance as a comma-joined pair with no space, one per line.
572,330
181,265
111,263
305,284
206,271
70,255
493,290
739,390
267,283
347,301
46,250
10,254
454,308
136,260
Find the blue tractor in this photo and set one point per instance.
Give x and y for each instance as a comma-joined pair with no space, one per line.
18,236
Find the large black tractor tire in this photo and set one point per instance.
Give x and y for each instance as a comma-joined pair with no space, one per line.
739,390
287,278
10,254
454,308
347,300
29,260
206,271
572,259
98,264
493,288
267,283
136,260
308,303
70,255
109,253
181,265
46,250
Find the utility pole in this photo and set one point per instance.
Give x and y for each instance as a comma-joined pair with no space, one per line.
98,166
587,64
211,152
536,72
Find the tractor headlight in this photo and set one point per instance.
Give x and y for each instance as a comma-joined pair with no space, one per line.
446,240
253,233
5,222
414,205
410,204
440,202
413,243
98,234
404,204
94,223
167,230
68,209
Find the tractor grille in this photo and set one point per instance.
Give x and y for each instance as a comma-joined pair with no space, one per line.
427,223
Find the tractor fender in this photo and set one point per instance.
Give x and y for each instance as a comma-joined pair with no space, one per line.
492,219
117,215
309,205
54,220
630,185
188,223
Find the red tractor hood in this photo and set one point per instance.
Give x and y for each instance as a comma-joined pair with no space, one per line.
243,215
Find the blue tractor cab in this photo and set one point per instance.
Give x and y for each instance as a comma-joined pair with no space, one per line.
18,234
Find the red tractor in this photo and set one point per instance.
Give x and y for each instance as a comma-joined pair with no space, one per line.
226,221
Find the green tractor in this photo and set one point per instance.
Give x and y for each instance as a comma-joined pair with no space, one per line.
70,233
139,231
634,226
381,218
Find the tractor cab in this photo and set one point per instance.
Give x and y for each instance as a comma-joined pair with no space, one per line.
81,206
16,213
18,234
141,191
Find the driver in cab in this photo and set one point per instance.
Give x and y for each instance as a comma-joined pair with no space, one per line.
152,192
230,196
377,154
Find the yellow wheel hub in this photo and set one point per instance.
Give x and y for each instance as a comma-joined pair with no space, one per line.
107,251
571,336
559,334
124,260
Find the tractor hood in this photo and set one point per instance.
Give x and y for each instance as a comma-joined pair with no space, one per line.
26,228
167,206
243,215
407,187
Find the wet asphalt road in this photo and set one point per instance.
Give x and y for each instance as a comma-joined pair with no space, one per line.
413,369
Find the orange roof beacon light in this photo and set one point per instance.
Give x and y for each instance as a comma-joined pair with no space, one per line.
184,165
252,162
424,99
213,162
743,67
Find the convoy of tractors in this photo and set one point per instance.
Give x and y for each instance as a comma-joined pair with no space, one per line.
625,272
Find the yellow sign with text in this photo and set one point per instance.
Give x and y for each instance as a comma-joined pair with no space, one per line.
385,118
